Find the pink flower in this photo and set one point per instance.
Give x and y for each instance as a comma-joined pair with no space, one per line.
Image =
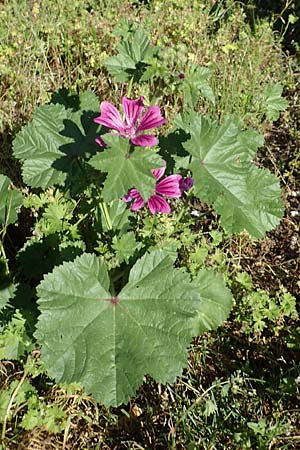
134,125
168,187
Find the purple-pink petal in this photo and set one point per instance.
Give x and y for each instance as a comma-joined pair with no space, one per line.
151,119
127,197
169,186
132,110
100,142
158,204
138,199
110,117
137,204
158,173
145,140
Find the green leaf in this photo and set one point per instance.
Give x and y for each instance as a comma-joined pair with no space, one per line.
10,201
274,101
57,215
24,393
86,101
38,146
245,280
246,197
50,144
216,297
156,67
39,414
125,246
7,291
14,341
109,342
119,215
126,170
211,408
169,245
124,28
5,396
131,61
22,300
195,84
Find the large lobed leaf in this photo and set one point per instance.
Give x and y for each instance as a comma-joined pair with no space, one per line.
134,54
245,197
126,170
109,343
58,133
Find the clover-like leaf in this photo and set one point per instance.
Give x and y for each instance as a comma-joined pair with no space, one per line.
10,201
125,170
58,133
275,103
14,341
134,54
125,246
109,342
246,197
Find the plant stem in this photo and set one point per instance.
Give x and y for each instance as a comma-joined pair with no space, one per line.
105,213
5,260
196,402
11,401
183,211
129,87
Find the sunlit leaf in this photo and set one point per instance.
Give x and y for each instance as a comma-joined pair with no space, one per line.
245,197
196,84
108,342
59,133
134,54
216,297
126,170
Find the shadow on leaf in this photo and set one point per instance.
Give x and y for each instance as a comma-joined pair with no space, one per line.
171,147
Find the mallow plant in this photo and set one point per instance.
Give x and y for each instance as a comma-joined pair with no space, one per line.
106,322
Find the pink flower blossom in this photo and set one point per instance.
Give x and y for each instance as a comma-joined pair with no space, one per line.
134,124
168,187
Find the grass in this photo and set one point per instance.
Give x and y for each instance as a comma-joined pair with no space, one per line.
46,47
241,388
